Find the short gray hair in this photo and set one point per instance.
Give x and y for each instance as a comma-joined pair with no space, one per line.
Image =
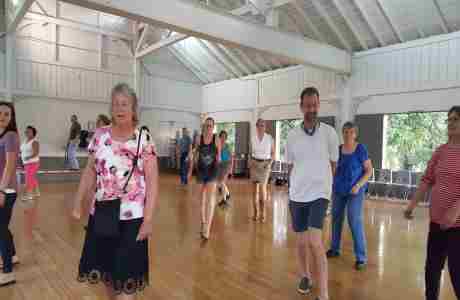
127,91
350,125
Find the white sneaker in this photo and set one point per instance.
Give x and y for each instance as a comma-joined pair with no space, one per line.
7,279
15,261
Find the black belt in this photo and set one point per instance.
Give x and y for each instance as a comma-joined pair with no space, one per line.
261,160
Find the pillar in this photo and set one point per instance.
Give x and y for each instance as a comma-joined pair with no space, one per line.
10,60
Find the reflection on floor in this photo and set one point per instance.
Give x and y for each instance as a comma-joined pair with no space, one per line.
243,260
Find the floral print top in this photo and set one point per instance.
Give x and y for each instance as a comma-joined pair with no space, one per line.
113,163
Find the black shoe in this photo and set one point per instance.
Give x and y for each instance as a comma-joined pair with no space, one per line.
360,265
304,286
332,253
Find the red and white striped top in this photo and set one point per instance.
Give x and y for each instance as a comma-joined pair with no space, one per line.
443,174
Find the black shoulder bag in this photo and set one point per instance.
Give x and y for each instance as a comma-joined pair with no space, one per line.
107,212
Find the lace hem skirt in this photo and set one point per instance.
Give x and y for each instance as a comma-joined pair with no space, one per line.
121,263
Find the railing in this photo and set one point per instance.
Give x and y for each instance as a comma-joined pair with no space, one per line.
394,185
384,184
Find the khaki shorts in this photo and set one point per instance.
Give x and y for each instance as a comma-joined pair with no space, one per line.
260,171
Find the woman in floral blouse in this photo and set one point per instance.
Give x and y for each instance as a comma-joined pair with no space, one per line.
120,262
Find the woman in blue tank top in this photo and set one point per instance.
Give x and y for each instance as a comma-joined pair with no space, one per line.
350,181
224,169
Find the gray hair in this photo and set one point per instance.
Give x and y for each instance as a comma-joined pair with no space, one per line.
125,90
350,125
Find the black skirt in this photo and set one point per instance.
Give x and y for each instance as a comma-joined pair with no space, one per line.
121,262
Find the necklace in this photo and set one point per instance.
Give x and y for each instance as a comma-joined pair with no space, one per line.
312,131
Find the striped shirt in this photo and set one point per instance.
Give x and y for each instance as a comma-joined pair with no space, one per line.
443,175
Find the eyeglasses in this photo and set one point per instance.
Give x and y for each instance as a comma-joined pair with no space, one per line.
261,125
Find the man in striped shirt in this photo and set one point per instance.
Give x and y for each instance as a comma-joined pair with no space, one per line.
443,177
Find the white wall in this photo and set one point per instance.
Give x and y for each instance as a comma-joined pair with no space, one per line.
164,64
171,101
2,70
275,95
165,93
422,75
60,71
171,96
165,124
51,117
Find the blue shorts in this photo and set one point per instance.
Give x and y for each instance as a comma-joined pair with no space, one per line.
207,174
308,214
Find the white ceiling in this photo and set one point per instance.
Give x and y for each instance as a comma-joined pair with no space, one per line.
352,25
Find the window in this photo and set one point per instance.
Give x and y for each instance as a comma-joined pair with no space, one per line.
411,138
283,127
230,128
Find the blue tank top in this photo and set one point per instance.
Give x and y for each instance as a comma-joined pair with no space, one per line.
225,154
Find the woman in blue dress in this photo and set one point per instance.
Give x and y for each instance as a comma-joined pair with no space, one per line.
354,169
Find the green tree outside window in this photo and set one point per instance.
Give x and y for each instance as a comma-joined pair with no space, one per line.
412,138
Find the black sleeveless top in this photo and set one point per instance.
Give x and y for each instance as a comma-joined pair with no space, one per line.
207,154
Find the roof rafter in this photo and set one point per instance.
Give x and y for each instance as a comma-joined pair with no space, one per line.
141,40
188,65
266,63
213,55
223,28
248,60
20,12
369,22
442,19
324,14
161,44
234,58
298,27
225,58
338,4
384,10
307,20
190,60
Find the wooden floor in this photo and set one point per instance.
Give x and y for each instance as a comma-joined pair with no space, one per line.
243,260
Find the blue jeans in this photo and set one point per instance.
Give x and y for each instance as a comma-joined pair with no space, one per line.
72,161
354,206
7,249
183,168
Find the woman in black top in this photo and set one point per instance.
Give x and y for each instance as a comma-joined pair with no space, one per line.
208,151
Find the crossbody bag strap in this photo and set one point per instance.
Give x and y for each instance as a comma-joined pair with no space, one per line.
135,159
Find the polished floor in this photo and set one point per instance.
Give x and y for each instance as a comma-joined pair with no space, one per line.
243,259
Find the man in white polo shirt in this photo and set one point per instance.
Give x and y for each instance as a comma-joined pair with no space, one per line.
312,153
262,155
